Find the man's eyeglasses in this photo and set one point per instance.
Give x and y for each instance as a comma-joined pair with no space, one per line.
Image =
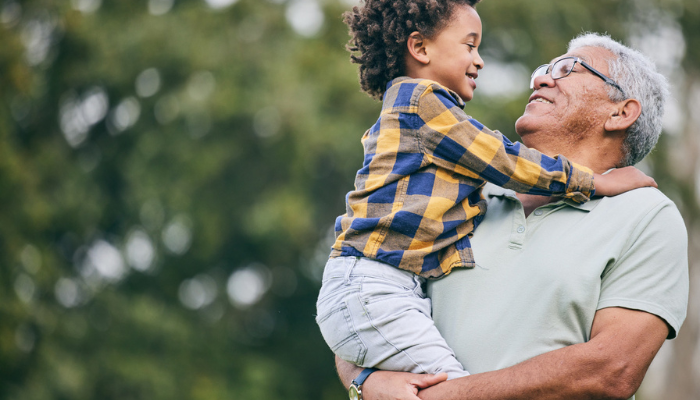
563,67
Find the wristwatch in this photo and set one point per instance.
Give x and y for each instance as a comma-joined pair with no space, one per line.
355,389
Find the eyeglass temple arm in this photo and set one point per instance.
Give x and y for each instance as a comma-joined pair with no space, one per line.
603,77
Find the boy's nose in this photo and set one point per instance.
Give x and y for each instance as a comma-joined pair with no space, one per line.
478,61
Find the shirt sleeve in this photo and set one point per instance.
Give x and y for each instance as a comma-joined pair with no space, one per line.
651,275
454,141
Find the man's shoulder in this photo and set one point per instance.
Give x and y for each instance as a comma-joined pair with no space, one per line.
648,208
637,202
630,208
640,214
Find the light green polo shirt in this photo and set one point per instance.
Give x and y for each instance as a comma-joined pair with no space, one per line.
539,280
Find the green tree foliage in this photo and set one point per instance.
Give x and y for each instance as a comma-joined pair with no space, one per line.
170,172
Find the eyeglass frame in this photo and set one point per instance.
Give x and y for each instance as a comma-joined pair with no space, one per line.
597,73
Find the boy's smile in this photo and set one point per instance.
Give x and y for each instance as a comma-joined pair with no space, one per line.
451,57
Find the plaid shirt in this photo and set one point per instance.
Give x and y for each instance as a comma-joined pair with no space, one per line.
417,197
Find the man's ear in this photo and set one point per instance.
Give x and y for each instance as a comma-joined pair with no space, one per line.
625,114
416,48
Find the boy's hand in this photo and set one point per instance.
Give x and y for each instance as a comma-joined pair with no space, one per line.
621,180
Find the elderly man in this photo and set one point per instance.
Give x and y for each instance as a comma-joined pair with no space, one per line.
567,301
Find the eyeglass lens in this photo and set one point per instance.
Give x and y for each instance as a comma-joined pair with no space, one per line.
560,69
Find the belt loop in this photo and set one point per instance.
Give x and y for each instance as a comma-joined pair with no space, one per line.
420,285
350,263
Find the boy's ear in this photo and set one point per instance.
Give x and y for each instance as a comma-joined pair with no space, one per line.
625,114
416,48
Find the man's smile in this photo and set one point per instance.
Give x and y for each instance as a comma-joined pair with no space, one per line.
535,98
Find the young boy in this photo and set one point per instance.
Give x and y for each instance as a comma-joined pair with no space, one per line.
417,198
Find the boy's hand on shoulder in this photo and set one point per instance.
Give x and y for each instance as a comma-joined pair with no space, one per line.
621,180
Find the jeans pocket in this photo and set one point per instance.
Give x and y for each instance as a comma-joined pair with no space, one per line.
387,302
339,333
381,289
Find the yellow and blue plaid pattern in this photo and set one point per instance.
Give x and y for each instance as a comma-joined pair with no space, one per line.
417,197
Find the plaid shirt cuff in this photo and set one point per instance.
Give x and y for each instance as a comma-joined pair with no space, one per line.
580,186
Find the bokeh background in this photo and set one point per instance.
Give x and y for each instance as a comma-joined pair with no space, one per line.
170,171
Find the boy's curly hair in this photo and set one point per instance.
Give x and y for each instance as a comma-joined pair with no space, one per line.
380,30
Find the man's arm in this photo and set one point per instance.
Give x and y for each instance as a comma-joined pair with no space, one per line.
609,366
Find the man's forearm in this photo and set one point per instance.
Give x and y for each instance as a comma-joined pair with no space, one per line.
568,373
610,366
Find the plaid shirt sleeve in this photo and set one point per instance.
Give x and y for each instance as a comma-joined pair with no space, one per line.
417,197
456,142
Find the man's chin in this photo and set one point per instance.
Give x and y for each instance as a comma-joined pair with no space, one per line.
522,125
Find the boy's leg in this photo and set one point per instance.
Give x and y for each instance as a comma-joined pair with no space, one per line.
401,334
332,314
388,316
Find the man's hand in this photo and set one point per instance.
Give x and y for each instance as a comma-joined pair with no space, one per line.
621,180
386,385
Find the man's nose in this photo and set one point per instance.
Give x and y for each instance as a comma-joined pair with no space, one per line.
543,81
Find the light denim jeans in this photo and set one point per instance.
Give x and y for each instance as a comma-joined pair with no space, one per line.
372,314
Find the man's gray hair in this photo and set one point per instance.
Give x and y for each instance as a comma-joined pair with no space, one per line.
637,76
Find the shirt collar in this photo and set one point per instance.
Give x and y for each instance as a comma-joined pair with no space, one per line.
497,191
454,94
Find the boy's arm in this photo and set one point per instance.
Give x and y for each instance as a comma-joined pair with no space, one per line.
457,143
621,180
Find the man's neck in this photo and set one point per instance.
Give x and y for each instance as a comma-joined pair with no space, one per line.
531,201
599,155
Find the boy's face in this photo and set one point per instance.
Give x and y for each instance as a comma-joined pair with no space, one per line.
453,53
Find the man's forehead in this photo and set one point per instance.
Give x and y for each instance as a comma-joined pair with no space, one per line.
590,54
584,57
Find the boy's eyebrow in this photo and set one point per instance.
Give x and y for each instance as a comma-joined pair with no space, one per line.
472,34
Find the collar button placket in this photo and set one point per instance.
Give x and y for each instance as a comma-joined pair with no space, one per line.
519,227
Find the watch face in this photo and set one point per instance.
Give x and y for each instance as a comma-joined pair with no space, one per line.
353,393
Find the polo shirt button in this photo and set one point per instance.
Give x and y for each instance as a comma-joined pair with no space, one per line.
521,229
538,212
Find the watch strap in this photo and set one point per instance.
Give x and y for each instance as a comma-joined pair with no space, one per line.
363,376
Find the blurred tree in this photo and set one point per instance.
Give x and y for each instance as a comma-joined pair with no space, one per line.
170,172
